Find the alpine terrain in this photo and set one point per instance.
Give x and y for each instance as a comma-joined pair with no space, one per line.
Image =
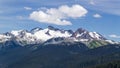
57,48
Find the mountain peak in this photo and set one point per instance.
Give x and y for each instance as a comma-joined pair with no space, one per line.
81,30
83,34
36,29
69,31
53,28
8,34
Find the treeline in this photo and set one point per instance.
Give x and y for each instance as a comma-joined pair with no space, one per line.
113,64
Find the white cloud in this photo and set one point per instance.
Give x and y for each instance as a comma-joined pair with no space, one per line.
106,6
60,15
97,15
114,36
27,8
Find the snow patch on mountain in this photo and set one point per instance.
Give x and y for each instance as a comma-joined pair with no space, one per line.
4,38
15,32
95,35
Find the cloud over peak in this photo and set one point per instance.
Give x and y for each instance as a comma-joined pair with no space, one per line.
60,15
97,15
114,36
27,8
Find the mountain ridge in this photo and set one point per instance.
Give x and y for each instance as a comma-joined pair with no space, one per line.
38,35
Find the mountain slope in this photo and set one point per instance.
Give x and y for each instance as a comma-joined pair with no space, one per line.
54,57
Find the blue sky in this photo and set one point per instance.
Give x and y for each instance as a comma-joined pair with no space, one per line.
102,16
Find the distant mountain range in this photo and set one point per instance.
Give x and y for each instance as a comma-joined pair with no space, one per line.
56,48
52,35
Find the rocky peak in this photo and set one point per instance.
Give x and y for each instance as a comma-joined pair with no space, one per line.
35,29
53,28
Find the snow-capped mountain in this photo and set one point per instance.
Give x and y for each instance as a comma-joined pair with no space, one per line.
51,35
84,35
